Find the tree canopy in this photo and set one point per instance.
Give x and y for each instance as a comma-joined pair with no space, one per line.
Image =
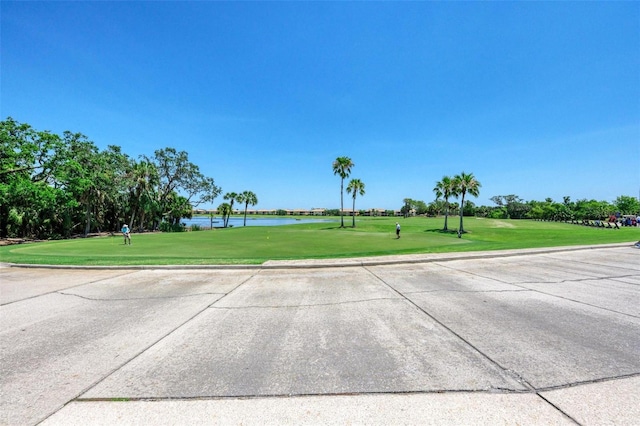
54,186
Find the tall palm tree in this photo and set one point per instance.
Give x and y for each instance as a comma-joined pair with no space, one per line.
465,183
355,186
248,198
342,167
444,189
231,197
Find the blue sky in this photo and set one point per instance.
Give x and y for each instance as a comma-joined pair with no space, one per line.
537,99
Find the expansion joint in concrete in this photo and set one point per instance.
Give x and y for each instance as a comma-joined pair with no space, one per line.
507,372
468,291
305,305
127,299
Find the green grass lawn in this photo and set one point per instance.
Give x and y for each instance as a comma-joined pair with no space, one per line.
255,245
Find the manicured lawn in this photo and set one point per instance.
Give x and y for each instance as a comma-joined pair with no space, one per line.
254,245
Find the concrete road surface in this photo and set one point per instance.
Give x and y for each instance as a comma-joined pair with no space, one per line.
518,337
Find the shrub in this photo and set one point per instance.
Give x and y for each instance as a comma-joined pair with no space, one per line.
168,227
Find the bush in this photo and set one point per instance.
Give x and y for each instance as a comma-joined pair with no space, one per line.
168,227
500,213
196,227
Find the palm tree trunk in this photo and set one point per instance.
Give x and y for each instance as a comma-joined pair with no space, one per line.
245,214
230,212
461,230
446,215
353,212
142,216
341,203
133,218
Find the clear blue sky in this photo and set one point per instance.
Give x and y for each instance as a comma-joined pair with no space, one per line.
537,99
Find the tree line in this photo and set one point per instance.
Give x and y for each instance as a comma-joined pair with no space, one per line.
54,186
513,207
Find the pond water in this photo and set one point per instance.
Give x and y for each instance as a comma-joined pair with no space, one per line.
205,221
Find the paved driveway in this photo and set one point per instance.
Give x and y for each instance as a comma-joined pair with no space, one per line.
535,337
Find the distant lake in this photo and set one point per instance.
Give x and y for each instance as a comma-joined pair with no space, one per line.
205,221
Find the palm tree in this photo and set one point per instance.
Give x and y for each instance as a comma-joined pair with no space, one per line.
355,186
465,183
445,188
231,196
224,210
342,167
247,197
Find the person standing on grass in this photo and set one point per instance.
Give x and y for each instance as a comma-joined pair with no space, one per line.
397,230
126,233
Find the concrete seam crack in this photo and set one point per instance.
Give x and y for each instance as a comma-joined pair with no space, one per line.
68,288
560,410
468,291
522,285
505,371
588,382
310,305
98,299
139,353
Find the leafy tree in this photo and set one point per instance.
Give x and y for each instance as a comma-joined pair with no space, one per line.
116,194
142,181
445,189
342,167
52,186
514,206
248,198
355,187
627,205
28,162
469,208
84,176
483,211
178,207
412,206
593,209
420,207
178,174
407,204
465,183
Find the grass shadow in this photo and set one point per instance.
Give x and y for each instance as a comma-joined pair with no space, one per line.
442,231
334,227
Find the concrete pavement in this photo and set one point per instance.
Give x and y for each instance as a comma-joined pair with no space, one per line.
519,337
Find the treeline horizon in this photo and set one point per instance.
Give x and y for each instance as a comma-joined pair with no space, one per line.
513,207
54,187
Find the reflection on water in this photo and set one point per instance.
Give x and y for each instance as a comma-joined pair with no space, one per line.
205,221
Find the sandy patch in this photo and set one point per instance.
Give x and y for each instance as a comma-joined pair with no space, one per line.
502,224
